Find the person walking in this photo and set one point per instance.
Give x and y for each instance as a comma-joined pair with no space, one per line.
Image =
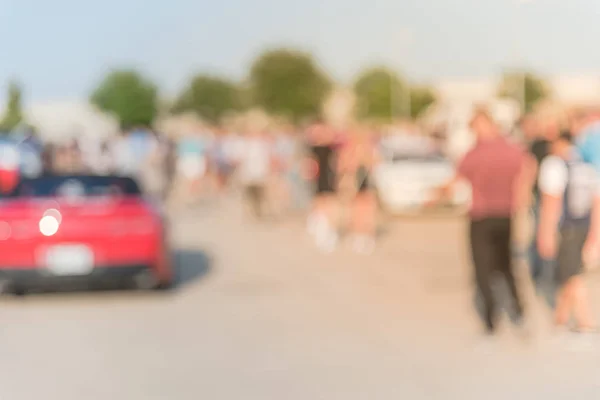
541,269
324,148
283,179
30,149
357,162
585,127
192,165
585,130
498,172
105,161
569,188
48,159
255,167
170,165
325,143
221,164
153,173
131,150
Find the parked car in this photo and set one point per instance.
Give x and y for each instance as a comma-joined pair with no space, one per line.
81,229
406,182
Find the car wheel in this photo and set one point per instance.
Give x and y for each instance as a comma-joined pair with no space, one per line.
18,291
145,281
164,286
9,288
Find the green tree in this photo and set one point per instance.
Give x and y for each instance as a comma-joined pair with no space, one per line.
13,116
209,97
524,87
288,83
129,96
381,95
421,97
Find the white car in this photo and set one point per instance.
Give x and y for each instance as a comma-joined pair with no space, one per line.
405,183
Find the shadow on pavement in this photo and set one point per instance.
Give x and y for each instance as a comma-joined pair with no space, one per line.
190,266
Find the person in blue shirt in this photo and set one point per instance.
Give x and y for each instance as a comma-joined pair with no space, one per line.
192,164
30,149
141,142
585,128
586,131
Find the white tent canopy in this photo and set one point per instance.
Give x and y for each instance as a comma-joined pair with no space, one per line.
61,121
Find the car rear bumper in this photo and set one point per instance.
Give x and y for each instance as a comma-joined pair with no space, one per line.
101,275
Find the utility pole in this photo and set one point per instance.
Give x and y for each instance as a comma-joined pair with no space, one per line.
521,73
404,43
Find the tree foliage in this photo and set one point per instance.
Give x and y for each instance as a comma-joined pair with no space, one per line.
525,87
421,97
129,96
288,83
209,97
13,115
381,95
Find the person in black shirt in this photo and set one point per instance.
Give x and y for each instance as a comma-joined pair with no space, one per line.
539,149
48,159
323,151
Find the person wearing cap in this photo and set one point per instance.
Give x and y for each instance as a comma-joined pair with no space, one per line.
498,172
569,190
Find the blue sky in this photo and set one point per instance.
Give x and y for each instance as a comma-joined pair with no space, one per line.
60,48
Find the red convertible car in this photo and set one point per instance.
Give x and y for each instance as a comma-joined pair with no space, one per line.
85,229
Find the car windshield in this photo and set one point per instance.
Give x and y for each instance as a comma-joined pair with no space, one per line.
76,186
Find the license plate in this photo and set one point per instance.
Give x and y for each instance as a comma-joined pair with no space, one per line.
69,260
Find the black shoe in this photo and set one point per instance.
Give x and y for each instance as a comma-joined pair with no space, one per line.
523,329
490,329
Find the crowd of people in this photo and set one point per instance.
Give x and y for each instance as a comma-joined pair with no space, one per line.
552,171
553,174
326,167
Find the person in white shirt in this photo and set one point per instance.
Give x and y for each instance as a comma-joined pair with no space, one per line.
124,162
570,191
132,151
254,169
284,180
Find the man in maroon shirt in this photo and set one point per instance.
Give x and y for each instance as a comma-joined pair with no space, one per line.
498,172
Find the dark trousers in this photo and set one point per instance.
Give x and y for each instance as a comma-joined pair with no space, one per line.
543,272
492,256
255,194
536,263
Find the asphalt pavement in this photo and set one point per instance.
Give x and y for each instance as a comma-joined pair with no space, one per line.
259,313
